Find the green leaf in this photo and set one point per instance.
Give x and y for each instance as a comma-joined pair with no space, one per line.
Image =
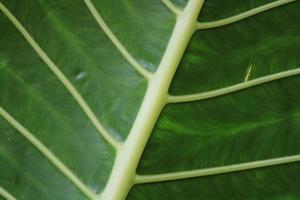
139,99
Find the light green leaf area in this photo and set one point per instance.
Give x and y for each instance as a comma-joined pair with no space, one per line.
149,100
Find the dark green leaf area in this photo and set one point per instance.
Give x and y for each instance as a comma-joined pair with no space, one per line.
26,173
276,183
35,97
267,43
258,123
212,8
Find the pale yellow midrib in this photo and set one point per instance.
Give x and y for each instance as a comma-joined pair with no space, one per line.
47,153
232,88
145,73
241,16
216,170
64,80
6,194
123,174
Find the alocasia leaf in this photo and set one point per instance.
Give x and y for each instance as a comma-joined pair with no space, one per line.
149,99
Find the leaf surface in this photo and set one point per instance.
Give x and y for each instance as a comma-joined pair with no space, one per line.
91,106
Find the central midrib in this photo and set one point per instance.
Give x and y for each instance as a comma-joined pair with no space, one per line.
123,175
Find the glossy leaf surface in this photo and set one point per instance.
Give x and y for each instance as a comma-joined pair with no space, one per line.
69,75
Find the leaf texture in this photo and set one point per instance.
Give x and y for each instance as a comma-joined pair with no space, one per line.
94,100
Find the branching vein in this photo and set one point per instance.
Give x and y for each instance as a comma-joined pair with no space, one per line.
172,7
241,16
216,170
115,41
233,88
47,153
6,194
64,80
248,72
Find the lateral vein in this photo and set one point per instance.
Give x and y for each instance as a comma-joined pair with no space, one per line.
145,73
232,88
243,15
248,72
140,179
48,154
63,79
171,7
6,194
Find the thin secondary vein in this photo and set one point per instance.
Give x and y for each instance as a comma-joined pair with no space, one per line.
216,170
249,68
47,153
6,194
171,7
64,80
116,42
241,16
248,72
233,88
